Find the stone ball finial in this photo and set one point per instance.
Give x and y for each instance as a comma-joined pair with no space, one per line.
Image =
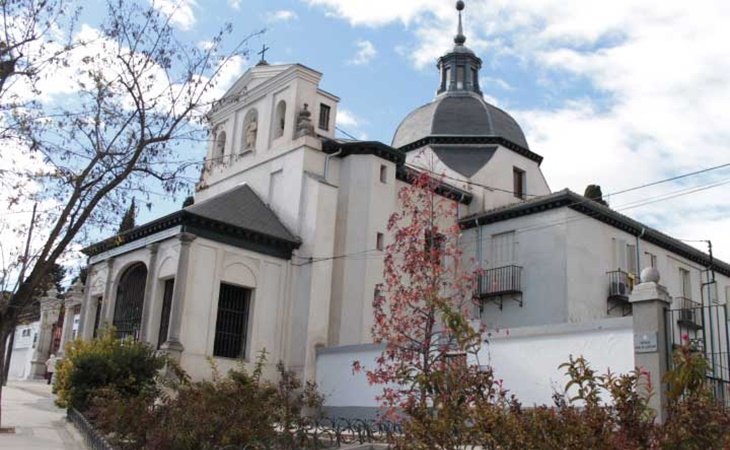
650,275
460,5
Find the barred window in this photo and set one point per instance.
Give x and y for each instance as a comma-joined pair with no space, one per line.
232,322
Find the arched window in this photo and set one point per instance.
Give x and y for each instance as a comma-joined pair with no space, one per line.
280,119
250,131
220,144
130,299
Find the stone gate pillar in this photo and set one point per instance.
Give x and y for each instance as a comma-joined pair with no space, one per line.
650,301
74,297
50,308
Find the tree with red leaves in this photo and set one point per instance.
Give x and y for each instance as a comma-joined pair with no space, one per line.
423,318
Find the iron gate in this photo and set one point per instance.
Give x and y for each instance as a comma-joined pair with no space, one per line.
705,329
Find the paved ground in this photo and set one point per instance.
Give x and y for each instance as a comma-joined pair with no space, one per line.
39,424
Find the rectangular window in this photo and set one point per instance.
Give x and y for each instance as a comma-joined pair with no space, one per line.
97,317
165,314
378,292
685,283
519,182
632,265
232,321
474,78
651,259
502,249
383,173
460,77
380,241
434,246
447,76
324,117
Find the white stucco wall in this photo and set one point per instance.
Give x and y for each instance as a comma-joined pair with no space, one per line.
565,256
363,209
23,348
526,359
498,173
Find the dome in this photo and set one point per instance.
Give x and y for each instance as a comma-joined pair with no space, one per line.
458,114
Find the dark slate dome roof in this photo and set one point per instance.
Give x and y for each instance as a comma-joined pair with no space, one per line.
458,114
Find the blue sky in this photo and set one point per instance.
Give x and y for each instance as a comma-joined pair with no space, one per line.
617,93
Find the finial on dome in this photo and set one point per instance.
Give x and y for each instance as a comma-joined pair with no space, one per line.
460,39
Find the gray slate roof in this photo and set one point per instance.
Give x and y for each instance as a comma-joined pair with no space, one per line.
242,208
459,115
236,217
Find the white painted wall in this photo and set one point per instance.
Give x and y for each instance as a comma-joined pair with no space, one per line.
364,206
526,359
498,173
565,256
23,348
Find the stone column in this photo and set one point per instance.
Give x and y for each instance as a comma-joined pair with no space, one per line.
49,304
88,308
650,301
74,297
173,346
107,307
149,288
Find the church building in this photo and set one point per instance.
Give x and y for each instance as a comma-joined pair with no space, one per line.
256,262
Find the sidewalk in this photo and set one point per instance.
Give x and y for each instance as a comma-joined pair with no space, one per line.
39,424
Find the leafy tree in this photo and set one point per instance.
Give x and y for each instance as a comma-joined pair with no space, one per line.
134,92
423,321
593,192
128,219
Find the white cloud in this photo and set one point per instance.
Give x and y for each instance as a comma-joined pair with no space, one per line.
235,4
180,12
350,123
282,15
365,53
347,118
657,103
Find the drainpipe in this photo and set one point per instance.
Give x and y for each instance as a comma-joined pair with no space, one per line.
638,251
327,162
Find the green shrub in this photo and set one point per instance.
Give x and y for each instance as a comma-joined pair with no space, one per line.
236,409
125,367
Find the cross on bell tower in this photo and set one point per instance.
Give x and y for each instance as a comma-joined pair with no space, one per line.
263,51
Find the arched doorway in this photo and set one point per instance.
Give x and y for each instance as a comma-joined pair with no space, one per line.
130,299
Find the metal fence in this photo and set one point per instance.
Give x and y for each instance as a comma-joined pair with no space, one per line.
704,328
304,434
328,433
93,439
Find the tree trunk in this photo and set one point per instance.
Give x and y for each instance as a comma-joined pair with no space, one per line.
8,356
3,338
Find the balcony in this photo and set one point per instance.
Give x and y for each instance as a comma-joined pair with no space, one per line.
499,283
620,285
689,314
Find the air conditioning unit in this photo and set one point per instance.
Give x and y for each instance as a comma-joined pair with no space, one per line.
619,288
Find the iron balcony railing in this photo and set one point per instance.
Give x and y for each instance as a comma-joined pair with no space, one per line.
620,285
689,312
499,281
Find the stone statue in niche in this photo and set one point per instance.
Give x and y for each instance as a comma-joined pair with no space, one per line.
251,130
304,123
